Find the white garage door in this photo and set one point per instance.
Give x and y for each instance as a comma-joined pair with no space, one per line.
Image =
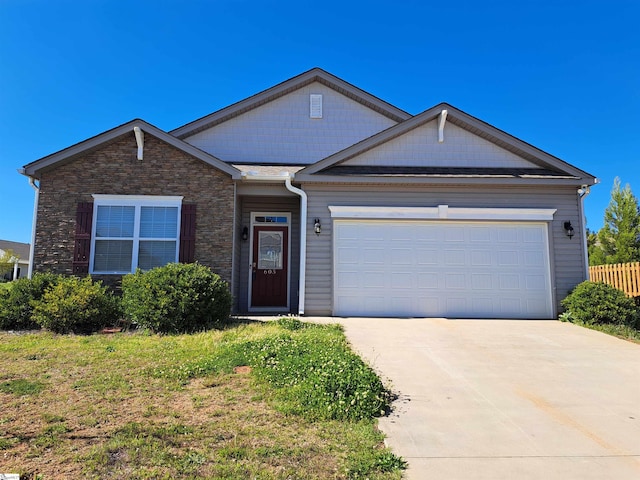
441,269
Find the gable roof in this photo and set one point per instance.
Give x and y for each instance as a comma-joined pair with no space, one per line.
550,166
69,154
295,83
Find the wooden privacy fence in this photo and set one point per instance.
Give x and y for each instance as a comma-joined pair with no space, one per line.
623,276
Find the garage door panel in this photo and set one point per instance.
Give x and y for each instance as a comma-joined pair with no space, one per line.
455,281
532,235
479,234
402,280
481,257
348,279
509,282
427,280
482,281
427,256
455,234
454,257
436,268
402,256
372,256
533,259
373,280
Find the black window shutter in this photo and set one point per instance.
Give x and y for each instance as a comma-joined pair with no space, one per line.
82,248
188,234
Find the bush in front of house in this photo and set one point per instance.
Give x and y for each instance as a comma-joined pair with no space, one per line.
16,302
176,298
77,305
599,303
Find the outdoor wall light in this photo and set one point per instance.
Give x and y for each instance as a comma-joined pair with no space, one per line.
568,229
316,226
245,233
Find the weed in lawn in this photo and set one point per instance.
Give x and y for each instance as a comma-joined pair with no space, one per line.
21,387
50,436
52,418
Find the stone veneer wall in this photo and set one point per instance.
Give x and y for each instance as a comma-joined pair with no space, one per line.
114,169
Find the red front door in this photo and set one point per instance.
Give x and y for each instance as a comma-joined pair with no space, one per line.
269,266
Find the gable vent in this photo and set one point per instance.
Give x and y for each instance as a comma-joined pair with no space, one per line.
315,102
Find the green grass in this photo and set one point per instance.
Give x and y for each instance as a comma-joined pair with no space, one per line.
148,406
621,331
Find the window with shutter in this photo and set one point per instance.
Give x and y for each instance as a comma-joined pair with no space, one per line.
132,232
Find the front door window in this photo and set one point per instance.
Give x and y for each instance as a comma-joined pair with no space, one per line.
270,250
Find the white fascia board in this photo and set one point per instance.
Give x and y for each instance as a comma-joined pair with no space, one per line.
442,212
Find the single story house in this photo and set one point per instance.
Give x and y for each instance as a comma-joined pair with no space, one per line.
315,197
19,259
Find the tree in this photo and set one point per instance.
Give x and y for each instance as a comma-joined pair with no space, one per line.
618,241
7,260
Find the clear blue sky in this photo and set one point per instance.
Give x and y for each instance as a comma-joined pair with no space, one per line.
561,75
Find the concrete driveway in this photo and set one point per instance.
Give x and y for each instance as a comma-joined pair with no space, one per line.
506,399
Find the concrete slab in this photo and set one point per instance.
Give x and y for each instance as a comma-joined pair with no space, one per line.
505,399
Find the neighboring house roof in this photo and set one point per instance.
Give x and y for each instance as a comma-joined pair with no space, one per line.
547,166
20,249
33,169
295,83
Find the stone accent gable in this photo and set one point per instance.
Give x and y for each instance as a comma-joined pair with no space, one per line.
114,169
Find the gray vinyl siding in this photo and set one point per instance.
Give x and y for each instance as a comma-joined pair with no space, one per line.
566,255
237,225
420,147
281,131
268,204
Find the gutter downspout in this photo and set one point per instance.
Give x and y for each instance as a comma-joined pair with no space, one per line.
303,240
583,192
32,182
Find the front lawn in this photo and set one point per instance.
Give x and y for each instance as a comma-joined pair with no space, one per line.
148,406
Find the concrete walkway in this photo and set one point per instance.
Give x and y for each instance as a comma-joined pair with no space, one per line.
506,399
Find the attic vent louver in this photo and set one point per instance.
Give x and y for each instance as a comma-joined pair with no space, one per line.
315,103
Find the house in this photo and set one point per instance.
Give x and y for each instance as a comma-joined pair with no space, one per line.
315,197
19,259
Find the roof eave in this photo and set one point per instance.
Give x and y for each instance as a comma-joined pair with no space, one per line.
303,178
33,169
463,120
295,83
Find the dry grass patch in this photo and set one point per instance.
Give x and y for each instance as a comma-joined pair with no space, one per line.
95,407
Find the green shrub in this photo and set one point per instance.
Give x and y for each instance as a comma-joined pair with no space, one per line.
599,303
76,304
176,298
16,303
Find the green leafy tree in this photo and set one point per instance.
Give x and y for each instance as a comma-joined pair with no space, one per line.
7,260
618,241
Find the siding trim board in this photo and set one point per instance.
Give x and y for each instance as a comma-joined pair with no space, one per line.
442,212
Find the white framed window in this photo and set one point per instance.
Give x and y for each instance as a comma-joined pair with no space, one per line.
132,231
